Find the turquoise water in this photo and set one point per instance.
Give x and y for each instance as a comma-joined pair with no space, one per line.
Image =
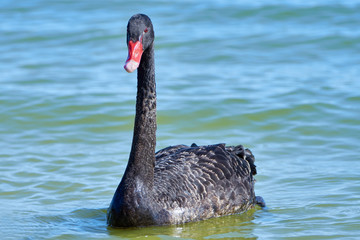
281,78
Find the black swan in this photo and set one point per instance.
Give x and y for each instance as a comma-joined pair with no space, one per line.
180,183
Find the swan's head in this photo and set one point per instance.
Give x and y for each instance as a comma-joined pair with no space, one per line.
140,35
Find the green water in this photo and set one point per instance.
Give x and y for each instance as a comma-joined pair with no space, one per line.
280,78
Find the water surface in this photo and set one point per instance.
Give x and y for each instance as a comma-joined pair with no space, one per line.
279,78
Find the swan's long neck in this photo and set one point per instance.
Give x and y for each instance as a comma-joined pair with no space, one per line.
142,156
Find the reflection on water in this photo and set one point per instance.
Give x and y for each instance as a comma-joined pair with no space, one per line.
237,226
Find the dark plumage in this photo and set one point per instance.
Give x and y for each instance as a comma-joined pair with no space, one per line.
177,184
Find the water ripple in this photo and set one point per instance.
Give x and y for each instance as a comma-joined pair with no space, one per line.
280,78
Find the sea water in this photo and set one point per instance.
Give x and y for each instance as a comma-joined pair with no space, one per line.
279,77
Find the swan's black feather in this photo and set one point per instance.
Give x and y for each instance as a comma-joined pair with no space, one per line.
198,182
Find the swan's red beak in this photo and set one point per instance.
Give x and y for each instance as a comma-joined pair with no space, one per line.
134,57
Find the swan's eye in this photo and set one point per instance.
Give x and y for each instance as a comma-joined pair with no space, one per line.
142,35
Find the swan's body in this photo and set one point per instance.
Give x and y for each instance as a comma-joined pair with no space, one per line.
178,184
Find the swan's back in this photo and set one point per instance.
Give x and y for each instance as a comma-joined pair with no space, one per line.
199,182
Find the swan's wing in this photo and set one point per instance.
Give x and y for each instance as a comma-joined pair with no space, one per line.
243,153
211,180
165,152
